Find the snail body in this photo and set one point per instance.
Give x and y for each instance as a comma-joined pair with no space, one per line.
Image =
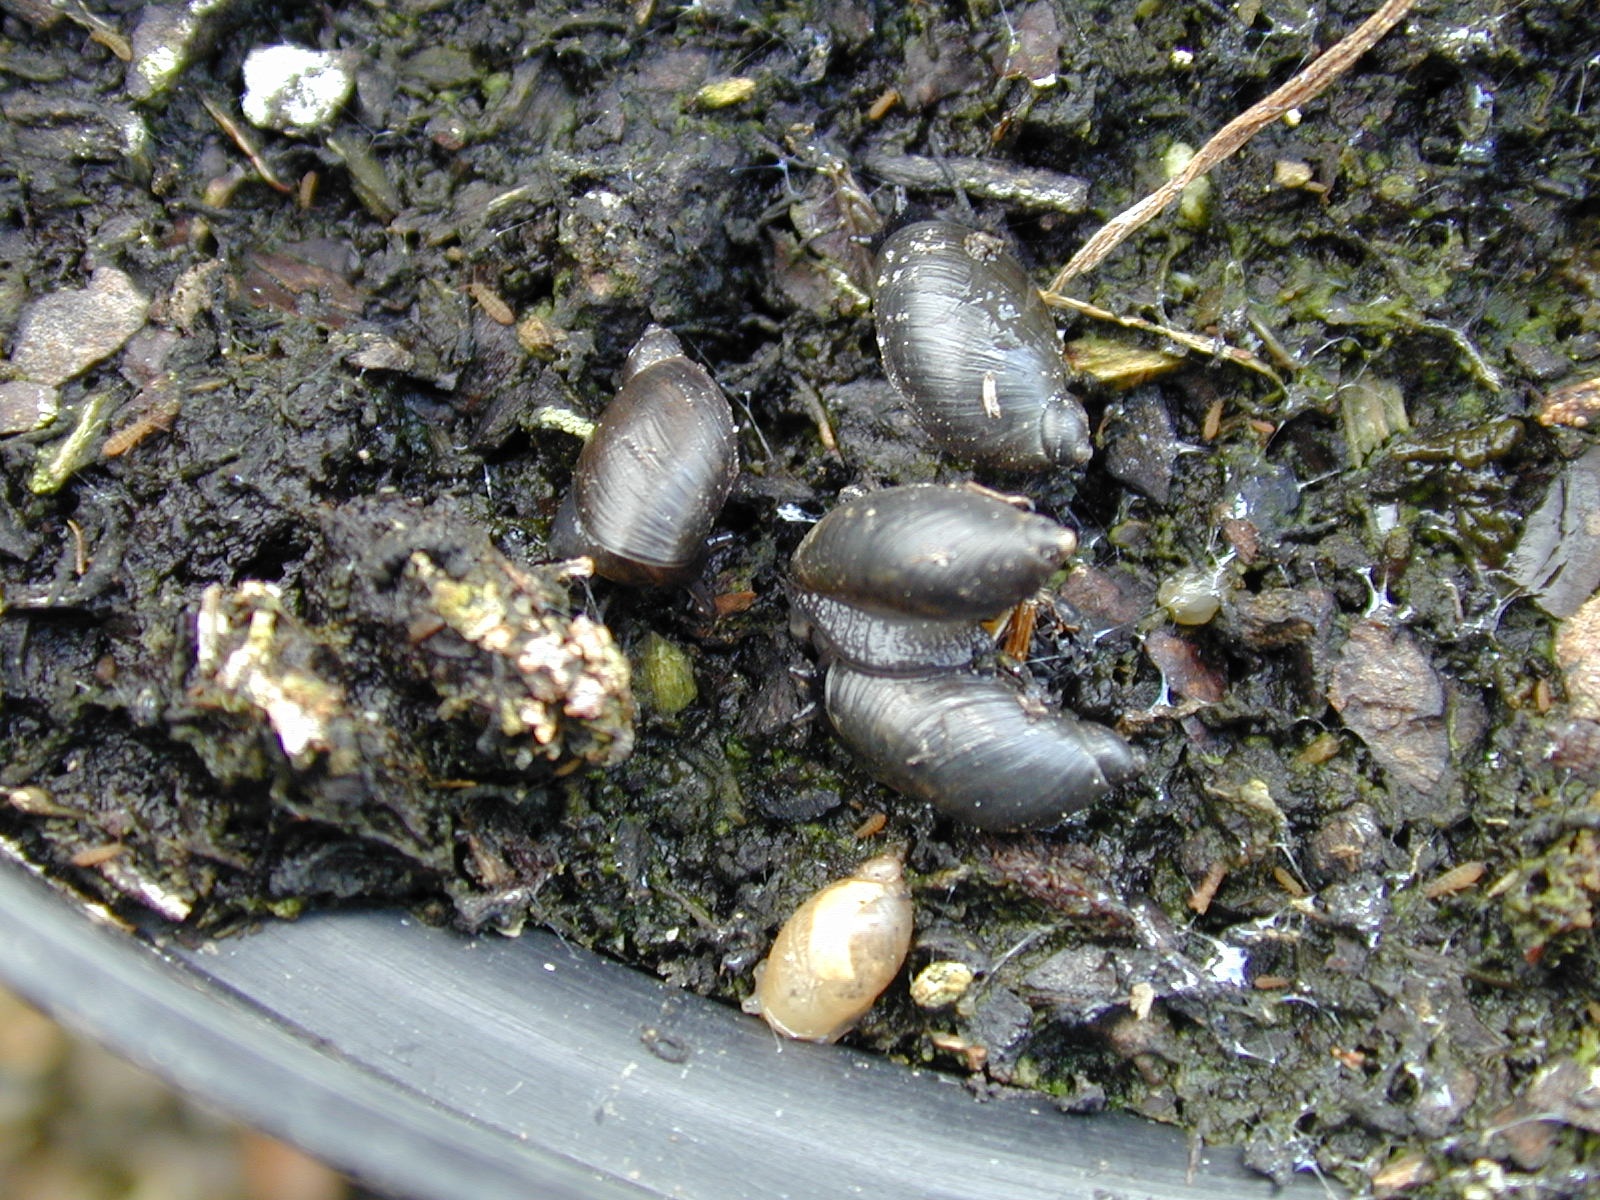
836,954
897,579
889,644
653,477
891,587
972,349
972,746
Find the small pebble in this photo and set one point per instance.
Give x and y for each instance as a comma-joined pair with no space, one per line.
294,90
941,984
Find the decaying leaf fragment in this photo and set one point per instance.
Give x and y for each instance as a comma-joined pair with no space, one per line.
1118,364
1565,1091
1373,411
1557,557
1391,697
62,334
826,264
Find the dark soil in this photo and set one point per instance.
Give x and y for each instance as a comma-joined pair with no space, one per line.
274,573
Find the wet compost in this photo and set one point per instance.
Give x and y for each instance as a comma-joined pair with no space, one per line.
303,311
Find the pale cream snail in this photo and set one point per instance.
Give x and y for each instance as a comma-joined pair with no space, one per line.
836,954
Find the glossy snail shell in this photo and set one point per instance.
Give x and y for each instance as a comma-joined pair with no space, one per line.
973,748
898,579
836,954
653,477
971,347
933,551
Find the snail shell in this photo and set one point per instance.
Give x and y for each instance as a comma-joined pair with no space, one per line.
969,344
972,747
654,475
897,579
1192,596
836,954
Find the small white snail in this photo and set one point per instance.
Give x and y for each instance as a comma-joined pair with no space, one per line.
836,954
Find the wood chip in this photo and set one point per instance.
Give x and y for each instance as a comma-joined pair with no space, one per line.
1578,655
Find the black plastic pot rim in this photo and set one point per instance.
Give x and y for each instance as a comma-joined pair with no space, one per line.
440,1067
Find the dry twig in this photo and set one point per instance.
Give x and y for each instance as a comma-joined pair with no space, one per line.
246,145
1310,83
1027,187
1215,347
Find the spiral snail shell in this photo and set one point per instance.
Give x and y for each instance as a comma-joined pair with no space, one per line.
972,747
971,347
836,954
898,579
890,587
653,477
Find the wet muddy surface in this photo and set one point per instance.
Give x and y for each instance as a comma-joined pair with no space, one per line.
285,419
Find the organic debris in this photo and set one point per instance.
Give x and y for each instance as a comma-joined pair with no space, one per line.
287,413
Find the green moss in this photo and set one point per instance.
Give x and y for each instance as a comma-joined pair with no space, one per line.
665,676
1416,268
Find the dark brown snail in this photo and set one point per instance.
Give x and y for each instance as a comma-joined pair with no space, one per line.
891,587
971,347
897,579
654,475
974,748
